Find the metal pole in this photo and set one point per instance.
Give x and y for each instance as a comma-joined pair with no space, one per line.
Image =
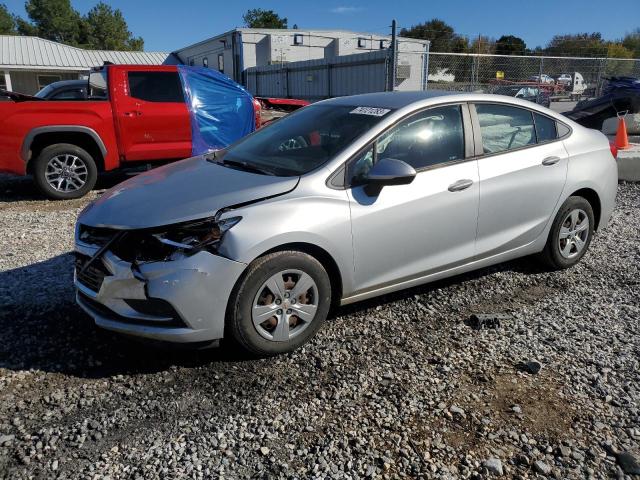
425,82
394,58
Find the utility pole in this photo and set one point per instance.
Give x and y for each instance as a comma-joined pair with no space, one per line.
394,58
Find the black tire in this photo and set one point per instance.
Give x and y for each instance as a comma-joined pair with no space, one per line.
239,314
551,255
61,149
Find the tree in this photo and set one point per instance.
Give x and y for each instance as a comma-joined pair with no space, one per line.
106,29
54,20
618,50
259,18
580,45
631,41
7,23
440,34
510,45
483,44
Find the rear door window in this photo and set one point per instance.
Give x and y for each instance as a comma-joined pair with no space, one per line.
156,86
504,127
545,128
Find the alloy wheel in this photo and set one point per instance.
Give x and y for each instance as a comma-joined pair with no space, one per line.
285,305
66,173
574,233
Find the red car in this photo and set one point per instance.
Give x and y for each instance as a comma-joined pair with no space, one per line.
134,115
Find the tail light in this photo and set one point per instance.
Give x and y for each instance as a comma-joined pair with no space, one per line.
257,108
614,150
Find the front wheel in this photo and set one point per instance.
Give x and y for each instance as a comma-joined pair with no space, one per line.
279,304
570,234
64,171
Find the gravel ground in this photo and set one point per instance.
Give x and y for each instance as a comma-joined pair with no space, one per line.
400,386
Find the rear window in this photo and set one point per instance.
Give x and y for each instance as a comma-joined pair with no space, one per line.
156,87
98,85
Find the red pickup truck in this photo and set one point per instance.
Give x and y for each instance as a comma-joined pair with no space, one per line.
134,115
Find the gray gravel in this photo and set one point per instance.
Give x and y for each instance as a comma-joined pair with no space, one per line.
397,387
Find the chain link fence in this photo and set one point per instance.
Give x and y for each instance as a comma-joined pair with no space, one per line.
483,72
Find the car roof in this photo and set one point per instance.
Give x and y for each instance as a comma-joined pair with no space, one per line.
388,99
67,83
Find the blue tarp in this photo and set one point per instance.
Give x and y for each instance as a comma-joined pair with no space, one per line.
221,110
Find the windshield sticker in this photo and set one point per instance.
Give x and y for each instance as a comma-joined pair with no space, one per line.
376,112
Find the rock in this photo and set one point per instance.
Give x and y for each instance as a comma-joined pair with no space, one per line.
457,411
264,451
628,463
6,439
516,409
531,366
494,466
541,467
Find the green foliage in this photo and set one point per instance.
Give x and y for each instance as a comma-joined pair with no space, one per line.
510,45
259,18
7,23
631,41
106,29
103,28
439,33
54,20
580,45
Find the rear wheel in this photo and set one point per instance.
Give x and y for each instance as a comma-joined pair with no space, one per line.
570,234
64,171
280,303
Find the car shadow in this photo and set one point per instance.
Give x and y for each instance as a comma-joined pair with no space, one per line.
43,329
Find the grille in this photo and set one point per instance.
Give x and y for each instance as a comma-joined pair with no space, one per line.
93,275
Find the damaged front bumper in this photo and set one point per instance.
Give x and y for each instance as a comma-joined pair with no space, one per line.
182,300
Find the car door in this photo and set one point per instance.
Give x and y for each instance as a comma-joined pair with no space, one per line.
522,169
428,225
152,116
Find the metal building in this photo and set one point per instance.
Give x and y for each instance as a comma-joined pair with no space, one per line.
28,64
235,51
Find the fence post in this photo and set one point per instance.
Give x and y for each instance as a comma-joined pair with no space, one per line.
425,57
540,71
393,50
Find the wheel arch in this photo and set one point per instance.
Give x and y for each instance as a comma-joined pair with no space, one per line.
322,256
84,137
593,198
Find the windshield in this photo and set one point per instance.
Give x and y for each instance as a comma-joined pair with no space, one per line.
304,140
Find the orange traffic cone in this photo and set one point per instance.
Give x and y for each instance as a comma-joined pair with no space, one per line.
622,140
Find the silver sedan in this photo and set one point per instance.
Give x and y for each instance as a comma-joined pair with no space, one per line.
344,200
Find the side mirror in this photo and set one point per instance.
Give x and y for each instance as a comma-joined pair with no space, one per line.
389,171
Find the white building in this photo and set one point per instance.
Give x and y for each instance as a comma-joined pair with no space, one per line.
28,64
236,50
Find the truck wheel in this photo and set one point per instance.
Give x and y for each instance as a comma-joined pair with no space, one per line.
64,171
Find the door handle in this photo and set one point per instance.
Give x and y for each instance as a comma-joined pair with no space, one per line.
550,161
460,185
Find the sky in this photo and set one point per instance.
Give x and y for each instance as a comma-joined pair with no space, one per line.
167,25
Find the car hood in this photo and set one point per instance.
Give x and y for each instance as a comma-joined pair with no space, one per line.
182,191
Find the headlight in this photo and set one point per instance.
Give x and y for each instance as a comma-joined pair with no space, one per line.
165,243
192,237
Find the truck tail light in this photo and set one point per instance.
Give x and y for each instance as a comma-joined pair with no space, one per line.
257,108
